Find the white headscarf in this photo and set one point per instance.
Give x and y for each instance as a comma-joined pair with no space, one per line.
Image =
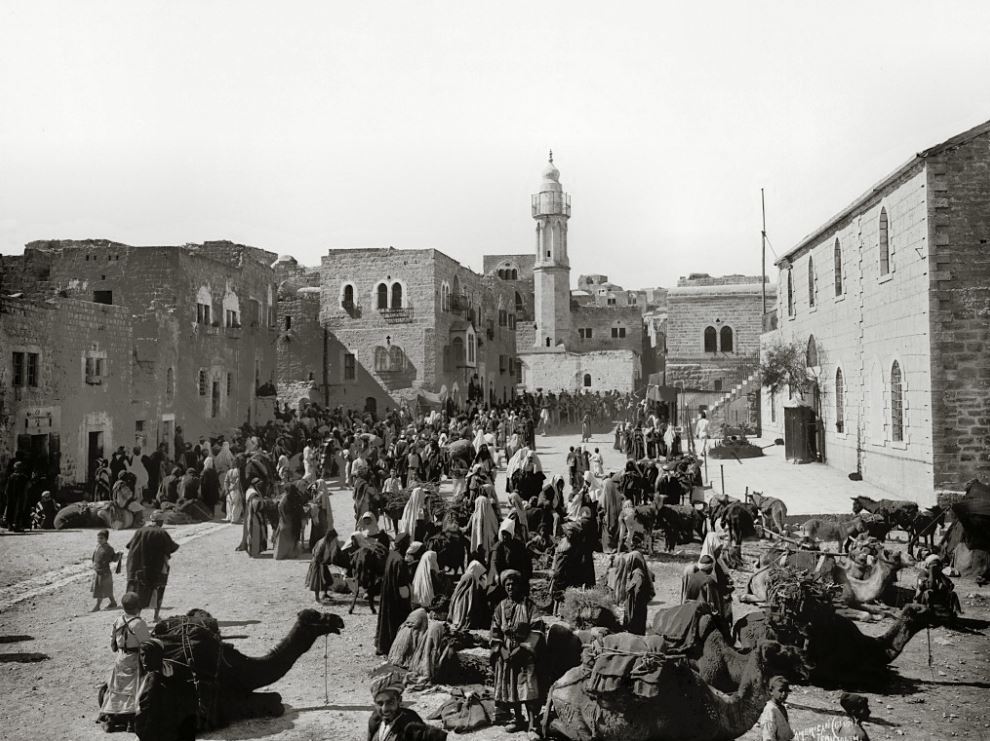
484,525
224,460
413,511
508,526
711,546
422,583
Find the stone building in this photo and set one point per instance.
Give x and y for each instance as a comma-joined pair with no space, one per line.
713,327
890,301
375,327
199,334
564,341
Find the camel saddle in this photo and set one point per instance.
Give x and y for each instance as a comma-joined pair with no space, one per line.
624,663
680,626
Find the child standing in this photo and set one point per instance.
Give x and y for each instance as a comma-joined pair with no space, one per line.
103,556
120,702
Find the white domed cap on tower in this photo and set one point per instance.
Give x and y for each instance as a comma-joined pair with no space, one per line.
551,176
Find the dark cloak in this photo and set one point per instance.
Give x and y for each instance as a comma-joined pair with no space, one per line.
147,551
394,609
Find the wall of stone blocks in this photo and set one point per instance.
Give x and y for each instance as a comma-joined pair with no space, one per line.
862,331
600,320
959,212
610,370
63,331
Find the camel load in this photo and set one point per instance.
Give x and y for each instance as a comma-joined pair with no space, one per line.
629,688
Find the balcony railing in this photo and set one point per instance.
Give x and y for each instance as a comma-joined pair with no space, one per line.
770,321
397,316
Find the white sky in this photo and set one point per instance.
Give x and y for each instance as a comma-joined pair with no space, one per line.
299,127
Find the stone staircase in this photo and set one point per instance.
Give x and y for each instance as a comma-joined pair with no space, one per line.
717,411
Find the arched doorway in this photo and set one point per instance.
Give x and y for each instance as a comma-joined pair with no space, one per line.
371,405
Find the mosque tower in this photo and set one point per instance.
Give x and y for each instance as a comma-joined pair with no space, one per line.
551,271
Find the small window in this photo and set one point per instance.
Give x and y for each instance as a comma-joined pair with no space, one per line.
396,295
587,380
95,367
837,266
231,319
33,366
548,342
840,401
773,408
503,318
348,300
790,295
717,384
812,284
611,301
230,383
512,321
215,400
513,274
811,354
396,359
202,383
287,322
350,367
896,403
726,339
520,305
711,339
470,348
203,314
19,362
103,297
884,243
382,292
169,385
618,332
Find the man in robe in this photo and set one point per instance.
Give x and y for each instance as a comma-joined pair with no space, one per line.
148,553
701,586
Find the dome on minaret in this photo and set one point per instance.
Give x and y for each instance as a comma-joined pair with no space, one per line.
550,172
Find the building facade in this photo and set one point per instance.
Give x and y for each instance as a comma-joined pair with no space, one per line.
890,301
198,325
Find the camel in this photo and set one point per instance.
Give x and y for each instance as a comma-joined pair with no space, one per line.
197,680
685,707
836,650
715,659
855,592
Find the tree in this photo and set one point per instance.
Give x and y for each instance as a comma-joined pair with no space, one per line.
785,365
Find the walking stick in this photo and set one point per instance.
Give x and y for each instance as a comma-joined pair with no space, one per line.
326,686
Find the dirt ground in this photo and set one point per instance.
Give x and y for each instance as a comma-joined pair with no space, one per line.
50,673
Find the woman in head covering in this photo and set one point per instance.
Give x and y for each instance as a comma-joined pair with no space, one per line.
255,523
423,583
468,607
521,516
234,495
483,525
639,592
408,639
395,594
224,460
282,468
511,553
619,576
209,484
514,657
611,515
101,484
291,511
415,515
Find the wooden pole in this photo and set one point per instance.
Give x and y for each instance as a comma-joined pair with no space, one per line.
722,469
763,252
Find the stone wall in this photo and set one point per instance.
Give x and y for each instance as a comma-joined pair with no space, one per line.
58,413
875,321
959,214
609,370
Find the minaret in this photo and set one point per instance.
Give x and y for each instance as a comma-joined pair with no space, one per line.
551,271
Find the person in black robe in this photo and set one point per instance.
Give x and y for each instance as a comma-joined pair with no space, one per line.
148,552
366,498
509,553
209,485
395,606
16,493
168,490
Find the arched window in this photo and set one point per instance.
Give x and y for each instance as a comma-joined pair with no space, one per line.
812,283
725,339
711,339
347,299
382,291
380,359
587,380
837,266
201,382
396,295
513,274
790,295
169,385
884,243
444,296
840,401
520,306
896,403
811,354
231,310
396,359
